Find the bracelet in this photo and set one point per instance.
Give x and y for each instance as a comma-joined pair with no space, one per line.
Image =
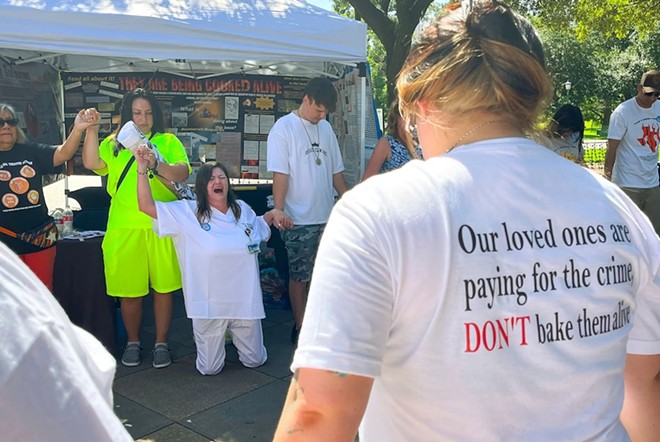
142,173
156,164
154,170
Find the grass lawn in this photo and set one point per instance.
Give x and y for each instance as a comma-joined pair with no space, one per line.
594,154
592,130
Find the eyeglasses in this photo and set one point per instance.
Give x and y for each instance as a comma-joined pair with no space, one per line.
648,94
12,122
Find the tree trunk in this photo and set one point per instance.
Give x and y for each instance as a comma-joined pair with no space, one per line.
605,121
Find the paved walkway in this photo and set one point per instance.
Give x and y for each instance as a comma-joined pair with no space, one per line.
178,404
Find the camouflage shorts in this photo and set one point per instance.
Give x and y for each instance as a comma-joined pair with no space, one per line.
302,243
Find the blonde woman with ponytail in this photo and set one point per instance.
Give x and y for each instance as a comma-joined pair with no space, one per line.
494,291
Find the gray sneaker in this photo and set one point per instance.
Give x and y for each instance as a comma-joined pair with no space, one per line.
131,357
162,357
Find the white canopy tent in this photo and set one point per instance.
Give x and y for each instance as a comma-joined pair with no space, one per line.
194,38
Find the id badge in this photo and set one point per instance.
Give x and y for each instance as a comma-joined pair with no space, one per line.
254,247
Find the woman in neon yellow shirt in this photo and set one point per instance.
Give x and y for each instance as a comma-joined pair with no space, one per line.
135,258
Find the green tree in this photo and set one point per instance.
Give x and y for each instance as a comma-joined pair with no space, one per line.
376,58
608,17
601,46
603,71
392,23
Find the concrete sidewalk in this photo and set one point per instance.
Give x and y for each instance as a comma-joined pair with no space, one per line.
178,404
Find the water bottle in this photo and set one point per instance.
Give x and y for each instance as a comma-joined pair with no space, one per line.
58,216
67,221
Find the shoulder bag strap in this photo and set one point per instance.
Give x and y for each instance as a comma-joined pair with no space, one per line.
123,173
128,166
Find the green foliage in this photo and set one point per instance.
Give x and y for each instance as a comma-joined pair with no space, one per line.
592,130
391,24
601,46
610,18
376,57
616,18
603,70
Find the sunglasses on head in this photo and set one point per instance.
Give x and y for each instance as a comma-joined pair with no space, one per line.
12,122
649,94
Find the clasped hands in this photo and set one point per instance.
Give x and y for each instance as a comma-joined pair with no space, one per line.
145,156
86,118
281,220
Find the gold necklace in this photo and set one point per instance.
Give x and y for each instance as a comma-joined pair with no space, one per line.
468,133
315,146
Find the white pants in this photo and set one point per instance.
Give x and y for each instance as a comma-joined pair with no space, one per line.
246,335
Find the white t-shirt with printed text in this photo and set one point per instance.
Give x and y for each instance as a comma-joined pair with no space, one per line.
485,306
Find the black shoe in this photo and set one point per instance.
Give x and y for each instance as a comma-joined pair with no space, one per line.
294,335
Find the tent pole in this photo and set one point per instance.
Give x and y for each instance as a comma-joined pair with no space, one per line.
363,115
63,130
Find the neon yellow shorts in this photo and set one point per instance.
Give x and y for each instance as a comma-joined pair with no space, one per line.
135,259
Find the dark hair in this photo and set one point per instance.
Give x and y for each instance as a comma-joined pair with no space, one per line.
322,92
393,117
567,118
201,182
126,111
490,60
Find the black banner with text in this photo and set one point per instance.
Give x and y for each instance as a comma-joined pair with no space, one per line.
225,118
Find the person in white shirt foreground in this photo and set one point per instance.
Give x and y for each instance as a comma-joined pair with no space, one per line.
494,291
216,239
55,378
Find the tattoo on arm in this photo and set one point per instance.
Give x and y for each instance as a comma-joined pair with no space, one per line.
340,375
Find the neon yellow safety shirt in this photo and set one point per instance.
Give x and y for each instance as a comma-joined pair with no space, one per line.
124,210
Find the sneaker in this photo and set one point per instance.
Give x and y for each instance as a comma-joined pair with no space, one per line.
131,356
162,357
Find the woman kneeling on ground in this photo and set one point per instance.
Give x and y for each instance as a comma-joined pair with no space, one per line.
217,242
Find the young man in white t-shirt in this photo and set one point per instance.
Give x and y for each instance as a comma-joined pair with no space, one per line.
307,167
493,291
632,147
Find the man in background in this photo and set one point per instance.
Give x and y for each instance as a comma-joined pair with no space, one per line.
307,167
633,139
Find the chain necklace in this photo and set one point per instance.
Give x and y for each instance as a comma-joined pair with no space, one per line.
468,133
315,146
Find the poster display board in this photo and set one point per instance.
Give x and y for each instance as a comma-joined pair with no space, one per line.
225,118
346,123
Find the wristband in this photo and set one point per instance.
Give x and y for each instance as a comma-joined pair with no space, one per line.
154,170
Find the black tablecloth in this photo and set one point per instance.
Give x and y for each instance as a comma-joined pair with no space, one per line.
79,286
